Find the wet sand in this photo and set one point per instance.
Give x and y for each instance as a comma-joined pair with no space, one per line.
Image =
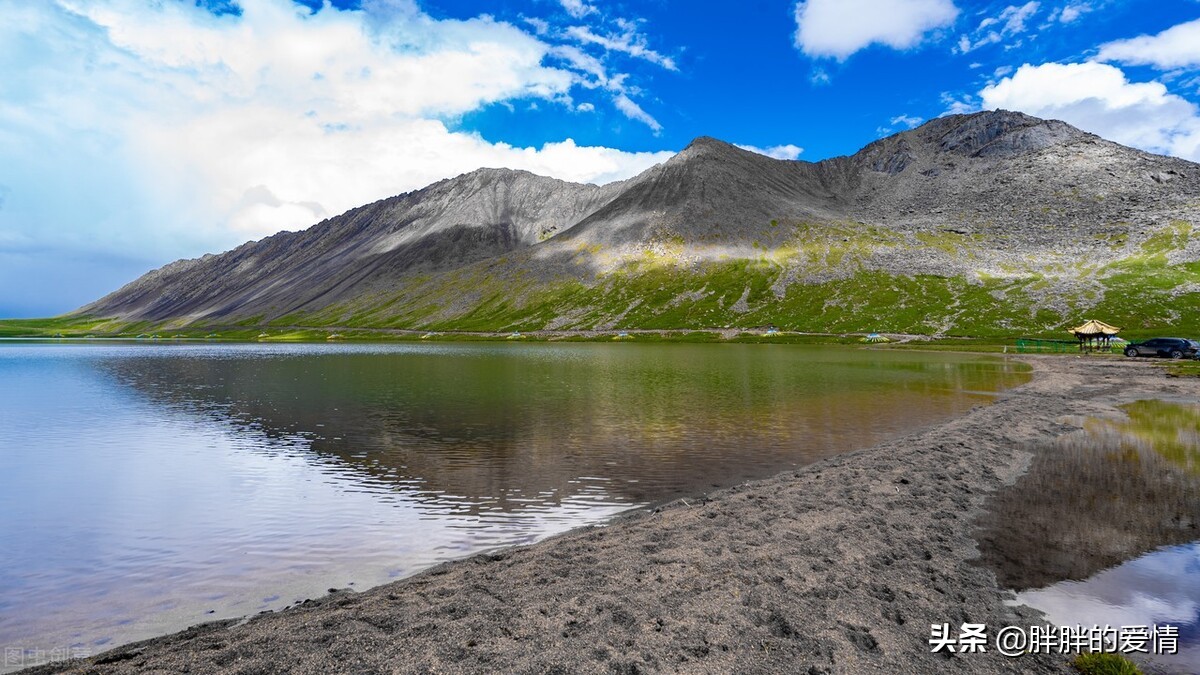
838,567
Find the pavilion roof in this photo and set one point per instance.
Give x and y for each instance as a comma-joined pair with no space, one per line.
1094,327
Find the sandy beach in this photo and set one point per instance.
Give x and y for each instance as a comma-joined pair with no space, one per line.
838,567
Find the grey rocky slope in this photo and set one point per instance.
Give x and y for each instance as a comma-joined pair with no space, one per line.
1036,183
450,223
993,195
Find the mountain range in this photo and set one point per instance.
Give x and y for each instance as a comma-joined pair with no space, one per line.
994,223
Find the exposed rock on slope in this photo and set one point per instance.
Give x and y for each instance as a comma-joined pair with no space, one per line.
996,221
450,223
713,190
1019,172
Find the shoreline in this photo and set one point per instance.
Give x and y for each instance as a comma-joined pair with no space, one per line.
48,329
835,567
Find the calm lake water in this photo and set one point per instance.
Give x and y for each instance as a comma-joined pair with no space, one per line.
149,487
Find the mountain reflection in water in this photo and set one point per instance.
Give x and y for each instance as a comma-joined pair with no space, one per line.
497,426
151,487
1104,527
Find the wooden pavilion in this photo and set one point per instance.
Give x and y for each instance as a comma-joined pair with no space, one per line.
1095,336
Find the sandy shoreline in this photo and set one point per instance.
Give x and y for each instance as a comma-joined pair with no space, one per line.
837,567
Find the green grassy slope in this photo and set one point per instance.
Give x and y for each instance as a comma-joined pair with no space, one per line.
802,278
825,284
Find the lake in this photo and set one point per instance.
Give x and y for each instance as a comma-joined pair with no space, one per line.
152,486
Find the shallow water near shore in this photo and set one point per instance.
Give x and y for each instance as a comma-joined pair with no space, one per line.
152,487
1161,588
1104,528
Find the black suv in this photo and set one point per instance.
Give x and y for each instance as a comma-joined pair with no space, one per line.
1175,348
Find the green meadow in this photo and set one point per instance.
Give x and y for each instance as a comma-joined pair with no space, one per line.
813,285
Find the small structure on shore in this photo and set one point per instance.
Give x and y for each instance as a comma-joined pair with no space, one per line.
1095,336
623,336
876,338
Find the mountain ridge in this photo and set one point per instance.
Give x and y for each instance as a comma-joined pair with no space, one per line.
954,204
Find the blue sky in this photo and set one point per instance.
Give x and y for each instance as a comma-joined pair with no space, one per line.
133,132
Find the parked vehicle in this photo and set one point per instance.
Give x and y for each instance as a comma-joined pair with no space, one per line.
1173,348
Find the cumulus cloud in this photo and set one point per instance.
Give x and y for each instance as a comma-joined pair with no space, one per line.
166,129
838,28
1099,98
1176,47
789,151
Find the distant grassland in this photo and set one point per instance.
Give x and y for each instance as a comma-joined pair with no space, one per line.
70,326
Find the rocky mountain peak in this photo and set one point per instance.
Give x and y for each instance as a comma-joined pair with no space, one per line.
1031,184
491,176
706,147
996,133
991,134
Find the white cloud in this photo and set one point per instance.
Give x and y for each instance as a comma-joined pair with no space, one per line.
1176,47
160,128
612,37
958,105
634,112
577,8
1014,17
539,26
910,121
1073,11
789,151
1099,98
838,28
627,40
1011,21
579,60
905,121
597,76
